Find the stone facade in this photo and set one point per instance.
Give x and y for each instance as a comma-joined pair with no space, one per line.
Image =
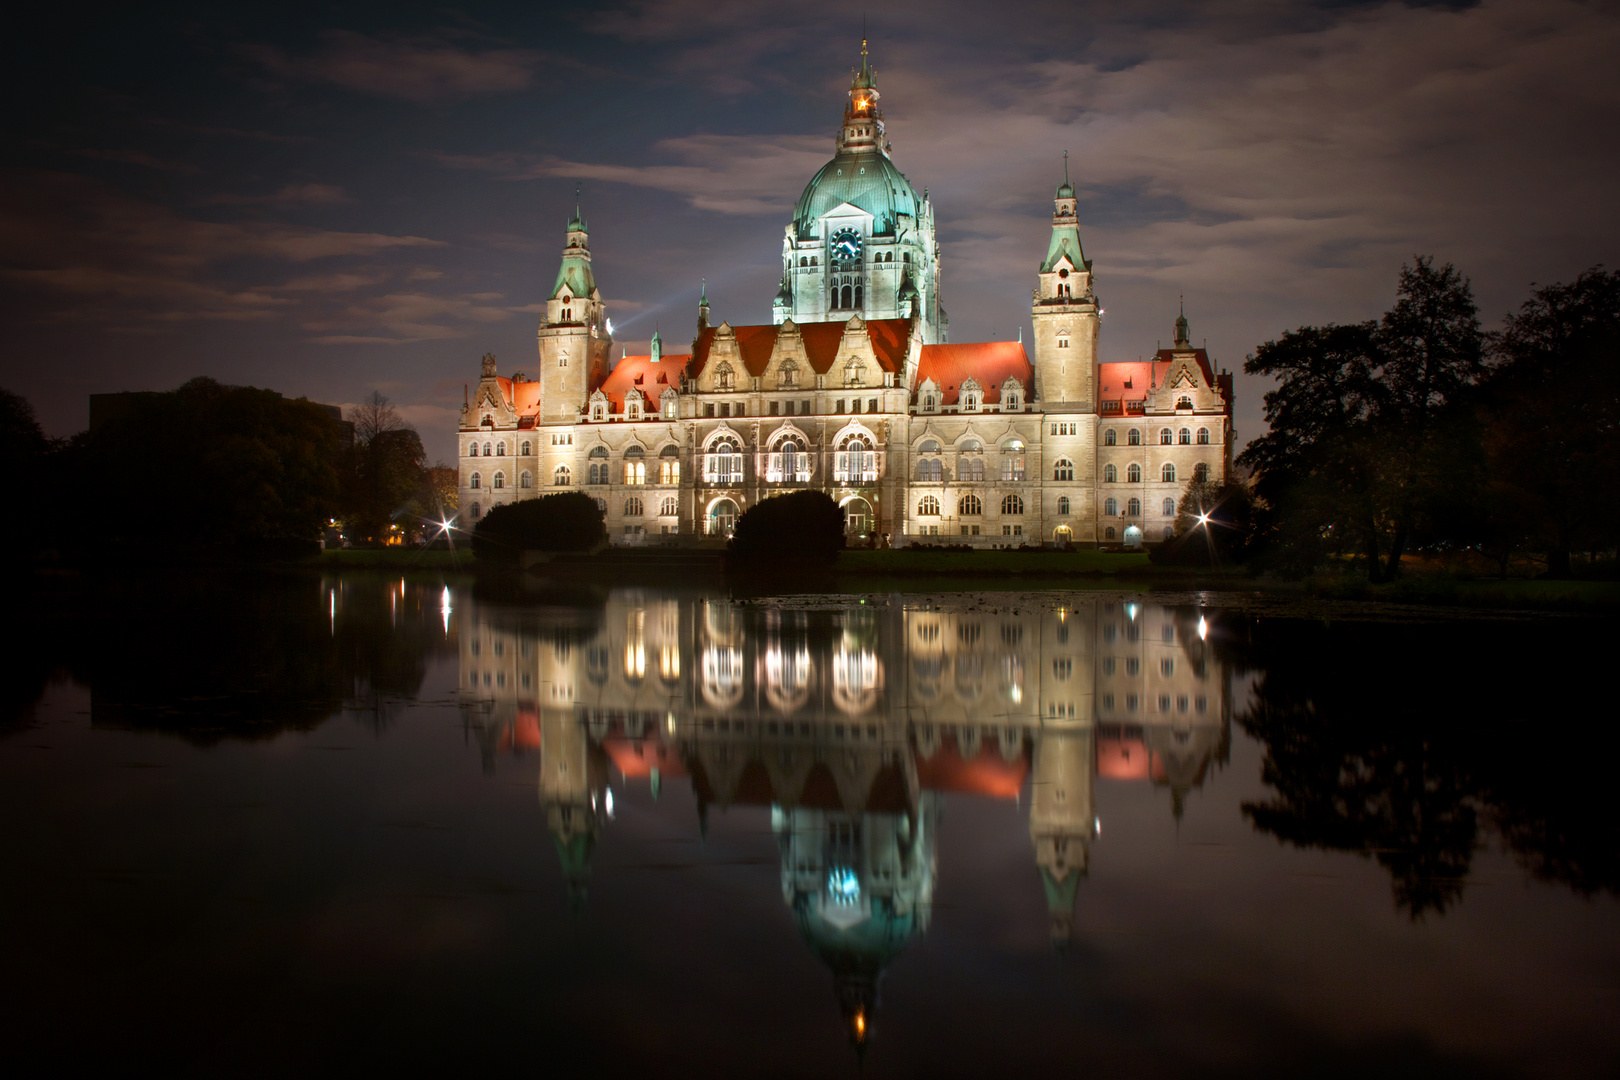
854,389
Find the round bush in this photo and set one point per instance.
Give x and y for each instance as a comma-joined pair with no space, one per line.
566,522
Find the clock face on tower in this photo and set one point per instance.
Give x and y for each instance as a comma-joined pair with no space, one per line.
846,245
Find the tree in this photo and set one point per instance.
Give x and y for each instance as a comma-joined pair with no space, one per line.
23,448
570,521
208,465
1552,422
387,468
801,527
1372,445
1213,525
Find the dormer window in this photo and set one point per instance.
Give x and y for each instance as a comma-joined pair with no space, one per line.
1184,403
855,373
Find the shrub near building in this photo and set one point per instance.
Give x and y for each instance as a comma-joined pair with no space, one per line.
804,527
565,522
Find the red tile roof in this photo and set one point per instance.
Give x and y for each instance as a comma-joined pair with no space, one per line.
1165,356
1130,380
640,373
990,362
523,397
889,337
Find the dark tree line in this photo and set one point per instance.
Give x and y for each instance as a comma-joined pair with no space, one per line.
221,467
1422,432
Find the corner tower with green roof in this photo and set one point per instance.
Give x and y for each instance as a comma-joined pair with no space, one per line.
574,339
861,241
1065,314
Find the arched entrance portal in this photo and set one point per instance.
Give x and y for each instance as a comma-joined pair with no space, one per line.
857,518
1133,537
722,518
1063,535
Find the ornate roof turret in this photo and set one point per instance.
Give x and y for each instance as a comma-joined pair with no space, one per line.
1182,341
575,271
1065,190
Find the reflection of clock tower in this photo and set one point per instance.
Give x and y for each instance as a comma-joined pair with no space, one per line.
574,342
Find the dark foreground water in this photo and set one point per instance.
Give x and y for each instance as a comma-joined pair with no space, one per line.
294,825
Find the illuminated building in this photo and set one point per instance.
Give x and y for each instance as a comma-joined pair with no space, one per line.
855,389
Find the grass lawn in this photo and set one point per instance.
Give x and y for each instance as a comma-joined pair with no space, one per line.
906,561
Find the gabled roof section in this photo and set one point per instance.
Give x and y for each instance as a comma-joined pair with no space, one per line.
890,339
523,397
642,373
1166,357
990,363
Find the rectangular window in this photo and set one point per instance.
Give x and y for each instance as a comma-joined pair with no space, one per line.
804,407
725,408
774,408
975,530
871,405
708,410
840,404
964,530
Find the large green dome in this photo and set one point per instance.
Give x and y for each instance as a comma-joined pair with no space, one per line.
867,180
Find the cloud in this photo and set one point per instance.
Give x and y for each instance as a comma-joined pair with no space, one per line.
290,195
726,174
407,318
423,70
137,157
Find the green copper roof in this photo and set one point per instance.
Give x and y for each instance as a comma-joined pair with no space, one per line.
1065,190
863,80
868,180
1065,241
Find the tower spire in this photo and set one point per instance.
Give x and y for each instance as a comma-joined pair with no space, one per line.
1182,341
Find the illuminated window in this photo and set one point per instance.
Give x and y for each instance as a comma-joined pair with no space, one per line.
561,477
666,508
930,469
1063,470
928,506
970,506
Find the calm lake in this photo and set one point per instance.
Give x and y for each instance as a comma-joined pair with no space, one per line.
286,823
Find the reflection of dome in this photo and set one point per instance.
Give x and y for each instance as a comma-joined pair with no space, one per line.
868,180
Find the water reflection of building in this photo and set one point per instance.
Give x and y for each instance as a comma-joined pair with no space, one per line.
850,723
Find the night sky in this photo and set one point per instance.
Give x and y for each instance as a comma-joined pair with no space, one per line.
330,199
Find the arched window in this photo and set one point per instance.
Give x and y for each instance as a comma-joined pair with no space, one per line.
635,467
666,508
1133,474
1108,533
855,461
723,464
930,469
477,482
500,449
1063,470
1109,439
803,261
598,411
970,469
525,479
601,506
669,465
970,506
472,450
928,446
1110,474
632,506
527,448
1168,473
1165,438
1012,504
928,506
561,477
1063,504
487,451
500,480
1184,436
1110,507
1184,403
1133,507
476,511
1169,508
1133,437
1203,436
1200,472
